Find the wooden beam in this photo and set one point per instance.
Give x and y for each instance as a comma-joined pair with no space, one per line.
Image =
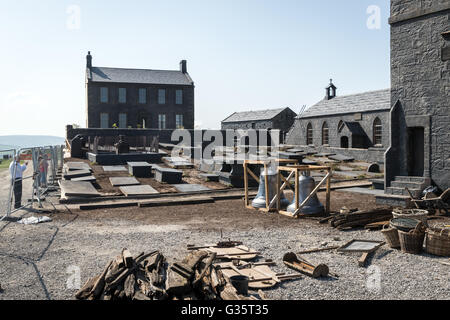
297,211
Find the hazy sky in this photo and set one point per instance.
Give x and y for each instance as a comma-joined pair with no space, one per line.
242,54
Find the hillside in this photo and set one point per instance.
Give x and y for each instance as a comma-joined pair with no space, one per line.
22,141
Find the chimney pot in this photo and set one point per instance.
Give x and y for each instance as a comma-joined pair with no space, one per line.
183,66
89,60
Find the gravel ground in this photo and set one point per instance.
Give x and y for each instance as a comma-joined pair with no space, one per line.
40,261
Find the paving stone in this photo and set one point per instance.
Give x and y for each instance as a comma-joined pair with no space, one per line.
77,189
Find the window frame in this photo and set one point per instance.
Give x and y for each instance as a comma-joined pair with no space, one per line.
179,102
126,120
124,90
160,117
377,132
161,97
309,134
106,94
325,134
177,117
144,95
107,125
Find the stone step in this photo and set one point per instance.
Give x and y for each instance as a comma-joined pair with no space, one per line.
411,179
393,200
409,185
402,192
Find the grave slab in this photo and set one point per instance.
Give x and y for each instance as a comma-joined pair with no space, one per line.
76,174
168,175
190,187
141,190
123,181
87,178
114,168
340,157
77,189
209,177
140,169
74,165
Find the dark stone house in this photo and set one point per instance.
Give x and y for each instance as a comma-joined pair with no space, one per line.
139,98
419,152
355,125
281,119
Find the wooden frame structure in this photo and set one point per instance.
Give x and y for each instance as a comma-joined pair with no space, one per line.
247,171
296,170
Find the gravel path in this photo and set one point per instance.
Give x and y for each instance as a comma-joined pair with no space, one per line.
40,261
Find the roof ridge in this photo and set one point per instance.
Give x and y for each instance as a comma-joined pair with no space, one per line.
355,94
137,69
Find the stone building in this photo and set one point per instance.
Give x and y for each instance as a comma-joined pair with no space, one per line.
139,98
355,125
419,151
281,119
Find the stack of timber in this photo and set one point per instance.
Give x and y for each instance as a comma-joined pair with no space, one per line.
345,221
150,277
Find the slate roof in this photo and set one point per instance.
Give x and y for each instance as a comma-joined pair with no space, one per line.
143,76
355,128
361,102
258,115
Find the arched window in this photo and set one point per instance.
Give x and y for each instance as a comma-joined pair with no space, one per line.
309,134
325,133
340,126
377,131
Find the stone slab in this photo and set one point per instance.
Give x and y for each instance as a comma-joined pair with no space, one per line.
75,165
375,192
121,159
340,157
190,187
168,175
123,181
140,169
181,165
77,189
209,177
77,174
87,178
114,168
324,154
140,190
295,150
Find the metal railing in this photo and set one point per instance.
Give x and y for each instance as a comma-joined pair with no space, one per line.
56,158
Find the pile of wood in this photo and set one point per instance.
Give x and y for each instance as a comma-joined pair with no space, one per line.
150,277
357,219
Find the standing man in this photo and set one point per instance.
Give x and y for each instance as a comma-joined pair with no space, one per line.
16,167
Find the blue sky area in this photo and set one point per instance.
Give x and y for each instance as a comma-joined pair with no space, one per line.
242,55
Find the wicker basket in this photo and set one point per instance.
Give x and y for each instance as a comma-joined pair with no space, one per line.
391,235
438,242
418,214
412,241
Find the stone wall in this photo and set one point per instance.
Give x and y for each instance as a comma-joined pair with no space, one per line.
297,134
420,79
136,111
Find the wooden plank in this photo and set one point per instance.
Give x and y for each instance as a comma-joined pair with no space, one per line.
176,202
363,259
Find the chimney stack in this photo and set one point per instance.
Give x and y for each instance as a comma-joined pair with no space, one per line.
330,91
183,67
89,60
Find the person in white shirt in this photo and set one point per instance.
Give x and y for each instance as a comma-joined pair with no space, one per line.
18,169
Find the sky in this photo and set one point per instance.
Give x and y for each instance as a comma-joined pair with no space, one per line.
242,54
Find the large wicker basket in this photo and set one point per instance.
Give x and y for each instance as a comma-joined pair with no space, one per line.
418,214
438,242
412,241
391,235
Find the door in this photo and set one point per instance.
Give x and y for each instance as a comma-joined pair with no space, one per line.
416,151
344,142
104,120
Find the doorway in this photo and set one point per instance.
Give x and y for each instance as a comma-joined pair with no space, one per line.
344,142
416,151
